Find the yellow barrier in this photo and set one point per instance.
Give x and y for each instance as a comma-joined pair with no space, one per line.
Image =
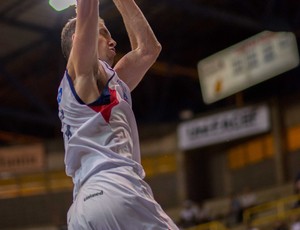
9,188
214,225
34,184
264,214
58,181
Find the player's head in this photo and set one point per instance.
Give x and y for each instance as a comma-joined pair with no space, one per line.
67,36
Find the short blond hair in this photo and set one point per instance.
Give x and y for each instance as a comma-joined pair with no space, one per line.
66,37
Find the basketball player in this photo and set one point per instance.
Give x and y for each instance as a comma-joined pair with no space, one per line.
101,140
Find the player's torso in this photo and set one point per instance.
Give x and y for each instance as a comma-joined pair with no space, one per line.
100,131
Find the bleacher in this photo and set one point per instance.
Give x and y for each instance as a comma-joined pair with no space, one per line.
274,205
264,216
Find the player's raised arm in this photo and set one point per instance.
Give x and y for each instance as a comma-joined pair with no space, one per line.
145,47
83,57
83,65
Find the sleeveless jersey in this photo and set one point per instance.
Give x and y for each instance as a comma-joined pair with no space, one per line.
101,135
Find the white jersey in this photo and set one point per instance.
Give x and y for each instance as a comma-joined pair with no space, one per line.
101,135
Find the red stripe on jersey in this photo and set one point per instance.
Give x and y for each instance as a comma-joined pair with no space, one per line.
105,110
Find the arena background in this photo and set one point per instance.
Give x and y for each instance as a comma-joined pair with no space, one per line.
34,190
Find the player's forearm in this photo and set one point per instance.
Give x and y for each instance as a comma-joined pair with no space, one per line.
139,31
87,12
85,39
87,18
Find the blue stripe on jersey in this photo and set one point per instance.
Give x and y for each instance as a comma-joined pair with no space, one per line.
104,98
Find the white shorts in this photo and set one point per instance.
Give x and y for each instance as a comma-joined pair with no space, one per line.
117,199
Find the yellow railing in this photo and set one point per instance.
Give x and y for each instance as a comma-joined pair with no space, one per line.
34,184
270,212
214,225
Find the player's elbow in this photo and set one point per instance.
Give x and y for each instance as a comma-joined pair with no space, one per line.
157,49
153,51
148,53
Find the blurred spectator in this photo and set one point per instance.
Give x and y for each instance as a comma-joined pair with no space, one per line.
202,214
62,227
248,199
295,224
250,227
297,184
280,225
297,190
188,214
238,204
235,214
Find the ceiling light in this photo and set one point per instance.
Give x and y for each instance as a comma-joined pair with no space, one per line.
60,5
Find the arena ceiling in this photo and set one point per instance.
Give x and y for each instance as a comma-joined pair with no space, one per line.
31,63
